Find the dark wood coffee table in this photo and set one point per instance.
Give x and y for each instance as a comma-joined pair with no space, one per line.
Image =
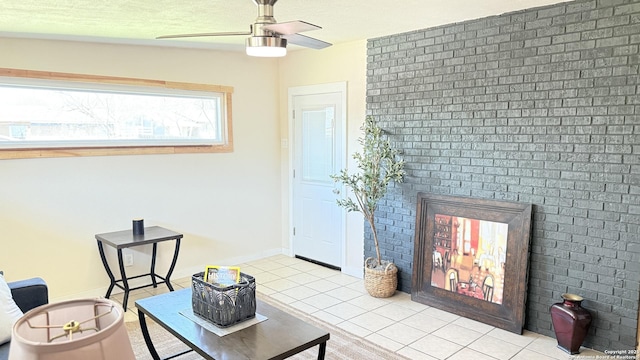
279,337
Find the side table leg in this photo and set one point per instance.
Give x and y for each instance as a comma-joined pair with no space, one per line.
124,280
147,338
106,267
173,265
153,265
322,350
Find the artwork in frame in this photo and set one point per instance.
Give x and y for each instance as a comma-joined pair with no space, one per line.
471,258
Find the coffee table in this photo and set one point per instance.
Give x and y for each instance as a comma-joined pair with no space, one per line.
279,337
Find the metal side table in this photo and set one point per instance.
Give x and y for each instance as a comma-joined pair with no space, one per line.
125,239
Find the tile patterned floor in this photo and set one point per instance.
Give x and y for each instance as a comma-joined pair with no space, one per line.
414,330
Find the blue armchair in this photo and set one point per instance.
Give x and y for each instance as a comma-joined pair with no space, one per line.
27,294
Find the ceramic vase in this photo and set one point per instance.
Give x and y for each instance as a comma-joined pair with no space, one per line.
570,322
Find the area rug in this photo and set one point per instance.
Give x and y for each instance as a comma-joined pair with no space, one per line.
341,346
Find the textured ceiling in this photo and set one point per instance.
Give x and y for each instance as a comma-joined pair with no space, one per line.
140,21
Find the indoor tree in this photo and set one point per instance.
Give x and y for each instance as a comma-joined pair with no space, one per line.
378,165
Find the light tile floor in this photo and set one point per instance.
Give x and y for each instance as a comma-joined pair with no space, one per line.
408,328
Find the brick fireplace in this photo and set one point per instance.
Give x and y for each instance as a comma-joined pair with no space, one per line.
538,106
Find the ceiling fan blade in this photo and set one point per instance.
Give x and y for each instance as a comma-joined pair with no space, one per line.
291,27
306,41
230,33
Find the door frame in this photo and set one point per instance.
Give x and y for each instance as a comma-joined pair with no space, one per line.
336,87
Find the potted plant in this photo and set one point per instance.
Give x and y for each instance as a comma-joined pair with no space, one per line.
377,166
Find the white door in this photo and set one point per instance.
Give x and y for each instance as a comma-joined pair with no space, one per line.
318,151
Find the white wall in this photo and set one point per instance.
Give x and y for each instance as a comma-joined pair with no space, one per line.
225,204
338,63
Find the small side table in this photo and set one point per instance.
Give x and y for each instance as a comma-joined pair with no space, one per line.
125,239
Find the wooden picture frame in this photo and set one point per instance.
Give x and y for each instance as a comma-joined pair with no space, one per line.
471,258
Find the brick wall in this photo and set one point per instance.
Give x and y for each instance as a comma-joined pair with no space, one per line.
538,106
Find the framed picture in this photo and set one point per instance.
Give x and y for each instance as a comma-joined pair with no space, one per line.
471,258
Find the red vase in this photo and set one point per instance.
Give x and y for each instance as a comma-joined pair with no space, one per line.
570,322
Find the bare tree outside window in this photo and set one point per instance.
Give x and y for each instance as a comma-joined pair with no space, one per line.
52,116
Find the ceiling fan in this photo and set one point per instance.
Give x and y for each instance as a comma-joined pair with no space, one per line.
269,38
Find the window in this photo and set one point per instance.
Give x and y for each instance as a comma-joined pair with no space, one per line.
55,114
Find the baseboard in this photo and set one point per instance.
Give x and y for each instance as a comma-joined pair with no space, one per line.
357,272
89,294
177,274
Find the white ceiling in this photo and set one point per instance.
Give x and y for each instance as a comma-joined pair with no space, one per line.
140,21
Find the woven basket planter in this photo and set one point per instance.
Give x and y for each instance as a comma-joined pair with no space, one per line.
380,282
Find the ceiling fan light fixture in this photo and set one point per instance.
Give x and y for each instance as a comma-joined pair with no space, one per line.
266,46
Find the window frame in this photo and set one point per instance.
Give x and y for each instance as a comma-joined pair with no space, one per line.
74,151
